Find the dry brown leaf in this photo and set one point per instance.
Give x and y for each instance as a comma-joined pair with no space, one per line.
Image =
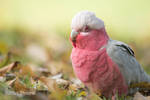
73,87
50,83
8,68
18,86
26,70
11,82
55,67
40,70
148,98
139,96
9,76
64,84
58,76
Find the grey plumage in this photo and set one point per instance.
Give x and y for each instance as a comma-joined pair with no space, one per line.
123,56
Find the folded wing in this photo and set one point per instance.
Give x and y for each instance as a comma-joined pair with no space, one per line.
123,56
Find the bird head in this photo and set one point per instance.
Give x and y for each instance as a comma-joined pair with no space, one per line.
87,31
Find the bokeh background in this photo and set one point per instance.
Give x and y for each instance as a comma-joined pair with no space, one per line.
36,32
22,20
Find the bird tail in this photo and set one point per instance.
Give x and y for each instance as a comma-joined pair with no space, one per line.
143,84
145,77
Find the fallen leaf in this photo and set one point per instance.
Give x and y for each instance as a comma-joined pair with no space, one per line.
58,76
64,84
48,82
18,86
8,68
26,70
73,87
82,93
9,76
139,96
11,82
148,98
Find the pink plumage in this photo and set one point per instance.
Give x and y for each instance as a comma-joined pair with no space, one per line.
94,67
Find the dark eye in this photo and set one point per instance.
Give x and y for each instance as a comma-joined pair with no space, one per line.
85,29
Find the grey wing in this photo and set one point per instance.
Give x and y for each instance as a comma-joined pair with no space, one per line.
123,56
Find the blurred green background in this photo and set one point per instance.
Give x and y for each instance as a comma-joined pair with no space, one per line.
37,31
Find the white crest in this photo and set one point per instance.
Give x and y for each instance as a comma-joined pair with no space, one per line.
84,18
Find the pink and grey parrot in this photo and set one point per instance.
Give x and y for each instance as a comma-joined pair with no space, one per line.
104,65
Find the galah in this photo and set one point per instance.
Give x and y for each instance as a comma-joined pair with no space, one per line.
104,65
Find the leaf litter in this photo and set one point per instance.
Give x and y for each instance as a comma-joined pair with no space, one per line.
44,73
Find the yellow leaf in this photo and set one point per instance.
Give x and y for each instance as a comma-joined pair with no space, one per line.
83,93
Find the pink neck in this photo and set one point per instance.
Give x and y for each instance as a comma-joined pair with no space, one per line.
94,41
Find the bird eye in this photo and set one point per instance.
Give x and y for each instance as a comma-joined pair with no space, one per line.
85,29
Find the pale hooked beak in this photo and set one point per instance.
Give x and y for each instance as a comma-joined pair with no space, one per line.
73,35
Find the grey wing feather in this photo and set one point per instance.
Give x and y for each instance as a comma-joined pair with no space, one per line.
123,56
127,48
